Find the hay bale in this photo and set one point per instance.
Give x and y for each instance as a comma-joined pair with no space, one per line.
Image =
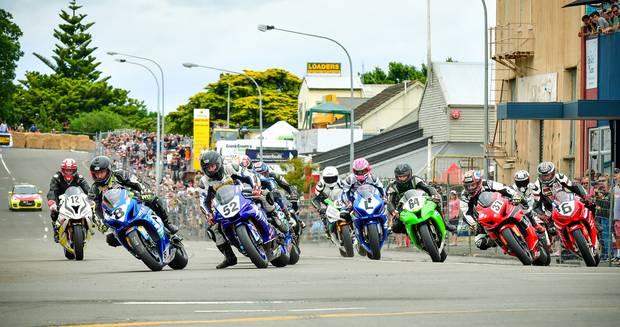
86,145
52,141
65,142
34,141
19,139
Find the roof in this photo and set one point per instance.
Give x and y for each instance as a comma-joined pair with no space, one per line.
279,130
330,82
462,83
349,102
381,98
329,107
370,90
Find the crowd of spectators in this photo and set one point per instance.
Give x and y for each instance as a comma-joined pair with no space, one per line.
136,153
604,20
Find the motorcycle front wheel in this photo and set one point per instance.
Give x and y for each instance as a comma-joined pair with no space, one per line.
78,241
139,247
584,248
347,242
372,232
517,247
259,259
429,243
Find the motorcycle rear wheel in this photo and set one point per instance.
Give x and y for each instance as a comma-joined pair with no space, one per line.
523,254
584,248
294,258
78,242
180,257
138,246
251,248
429,243
68,254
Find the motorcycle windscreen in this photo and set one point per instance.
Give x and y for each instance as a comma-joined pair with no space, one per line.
486,199
413,200
225,194
113,198
367,191
73,190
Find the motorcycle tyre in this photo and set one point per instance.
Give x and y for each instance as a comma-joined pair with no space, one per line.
522,254
429,243
136,243
347,242
68,254
180,257
584,248
372,232
78,242
294,257
251,248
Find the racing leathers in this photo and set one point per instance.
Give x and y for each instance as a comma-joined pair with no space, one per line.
468,207
351,184
322,192
543,194
528,211
58,186
395,191
124,179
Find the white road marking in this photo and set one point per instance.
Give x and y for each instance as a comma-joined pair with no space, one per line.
205,302
278,310
577,273
77,151
5,167
46,229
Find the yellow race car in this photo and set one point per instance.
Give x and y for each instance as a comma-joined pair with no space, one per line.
25,196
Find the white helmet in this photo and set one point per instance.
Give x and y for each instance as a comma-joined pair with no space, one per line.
330,176
522,179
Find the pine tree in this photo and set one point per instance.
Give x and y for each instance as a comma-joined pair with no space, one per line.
73,57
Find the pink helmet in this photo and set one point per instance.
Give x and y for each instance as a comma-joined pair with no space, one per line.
361,169
244,161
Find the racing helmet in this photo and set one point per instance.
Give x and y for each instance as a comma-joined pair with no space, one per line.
101,170
68,169
522,179
361,169
244,161
403,174
330,176
472,182
211,164
261,168
546,172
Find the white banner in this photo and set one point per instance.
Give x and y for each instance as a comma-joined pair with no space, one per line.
591,63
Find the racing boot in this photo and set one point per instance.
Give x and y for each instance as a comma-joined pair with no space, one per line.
55,228
229,256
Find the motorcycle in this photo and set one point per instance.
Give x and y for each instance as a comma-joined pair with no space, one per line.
245,226
510,229
369,221
141,232
338,227
75,219
576,227
424,224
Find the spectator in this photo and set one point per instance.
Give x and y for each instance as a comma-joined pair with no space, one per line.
602,214
601,23
454,213
617,212
587,27
33,128
20,128
4,128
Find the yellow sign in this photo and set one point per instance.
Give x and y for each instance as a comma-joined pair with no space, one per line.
323,68
201,135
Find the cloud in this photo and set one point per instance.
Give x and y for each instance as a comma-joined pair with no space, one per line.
223,33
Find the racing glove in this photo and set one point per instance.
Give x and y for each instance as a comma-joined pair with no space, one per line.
52,205
436,198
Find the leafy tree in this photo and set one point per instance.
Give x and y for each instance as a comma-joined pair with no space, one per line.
73,57
11,51
449,59
97,121
298,172
397,72
279,89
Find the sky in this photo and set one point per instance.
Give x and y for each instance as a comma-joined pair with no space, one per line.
223,33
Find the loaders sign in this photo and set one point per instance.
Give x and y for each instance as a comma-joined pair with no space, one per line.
323,68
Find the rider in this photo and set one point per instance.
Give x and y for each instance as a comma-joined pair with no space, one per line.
549,182
61,181
216,174
360,176
329,181
522,185
474,185
404,180
245,163
105,178
264,172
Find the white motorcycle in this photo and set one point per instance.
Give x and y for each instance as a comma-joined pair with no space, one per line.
75,218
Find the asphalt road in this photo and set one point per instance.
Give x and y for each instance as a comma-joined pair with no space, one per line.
39,287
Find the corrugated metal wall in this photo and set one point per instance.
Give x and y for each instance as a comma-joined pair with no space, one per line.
432,117
609,66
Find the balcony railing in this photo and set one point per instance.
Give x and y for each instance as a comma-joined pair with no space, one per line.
513,41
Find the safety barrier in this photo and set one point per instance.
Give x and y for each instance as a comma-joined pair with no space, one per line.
52,141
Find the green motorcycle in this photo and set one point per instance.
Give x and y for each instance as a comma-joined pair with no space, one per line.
424,224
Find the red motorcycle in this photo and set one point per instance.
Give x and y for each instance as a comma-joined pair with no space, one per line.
510,229
576,227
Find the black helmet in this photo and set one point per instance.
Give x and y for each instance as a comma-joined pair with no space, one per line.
101,170
211,158
546,172
403,174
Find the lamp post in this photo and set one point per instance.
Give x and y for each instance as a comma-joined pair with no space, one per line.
485,163
161,130
260,98
158,149
265,28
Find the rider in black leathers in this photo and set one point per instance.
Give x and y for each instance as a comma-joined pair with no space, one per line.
105,178
66,177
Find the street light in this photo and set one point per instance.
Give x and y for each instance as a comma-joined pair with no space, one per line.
265,28
486,94
160,130
158,149
260,97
